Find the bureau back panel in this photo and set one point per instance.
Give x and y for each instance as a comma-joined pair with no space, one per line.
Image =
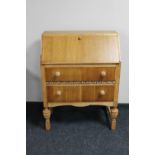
80,48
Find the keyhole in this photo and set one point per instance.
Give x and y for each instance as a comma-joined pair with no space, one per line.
79,38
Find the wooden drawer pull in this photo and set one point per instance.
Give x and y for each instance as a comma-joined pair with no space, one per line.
57,74
103,73
102,92
58,93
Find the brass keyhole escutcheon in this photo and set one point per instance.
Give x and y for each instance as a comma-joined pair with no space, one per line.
79,38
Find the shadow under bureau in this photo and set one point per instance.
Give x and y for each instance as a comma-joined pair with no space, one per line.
80,69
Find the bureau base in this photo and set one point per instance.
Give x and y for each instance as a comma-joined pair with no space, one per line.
111,111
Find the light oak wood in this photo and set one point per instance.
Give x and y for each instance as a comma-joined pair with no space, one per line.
80,74
47,115
81,65
97,33
80,93
80,104
80,69
102,92
116,91
44,93
112,114
66,48
80,83
103,73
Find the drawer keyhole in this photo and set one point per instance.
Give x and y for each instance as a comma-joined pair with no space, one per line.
79,38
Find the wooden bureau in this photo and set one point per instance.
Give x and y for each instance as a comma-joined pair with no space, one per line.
80,69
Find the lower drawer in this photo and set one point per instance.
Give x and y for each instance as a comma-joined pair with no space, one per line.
85,93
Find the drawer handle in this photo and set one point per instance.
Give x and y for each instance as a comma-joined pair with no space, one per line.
103,73
58,93
57,74
102,92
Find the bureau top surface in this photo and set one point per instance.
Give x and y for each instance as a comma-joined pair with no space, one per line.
80,47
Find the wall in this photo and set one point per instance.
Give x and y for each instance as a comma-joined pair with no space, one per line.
74,15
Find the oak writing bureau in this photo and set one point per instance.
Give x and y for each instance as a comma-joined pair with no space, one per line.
80,69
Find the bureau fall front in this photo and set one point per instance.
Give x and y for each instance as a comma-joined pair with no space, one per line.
80,69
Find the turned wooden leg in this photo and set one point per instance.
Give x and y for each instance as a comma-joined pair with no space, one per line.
114,114
47,115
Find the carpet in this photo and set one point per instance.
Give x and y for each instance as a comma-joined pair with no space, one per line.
76,131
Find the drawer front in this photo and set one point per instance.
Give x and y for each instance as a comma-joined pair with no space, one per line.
98,74
63,74
80,93
80,74
97,93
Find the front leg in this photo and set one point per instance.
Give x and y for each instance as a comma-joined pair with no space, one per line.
114,114
47,115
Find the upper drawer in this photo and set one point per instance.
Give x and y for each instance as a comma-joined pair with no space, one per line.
80,74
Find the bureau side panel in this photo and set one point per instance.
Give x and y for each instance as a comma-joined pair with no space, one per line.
44,91
116,91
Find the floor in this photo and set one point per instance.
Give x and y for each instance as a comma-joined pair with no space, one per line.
76,131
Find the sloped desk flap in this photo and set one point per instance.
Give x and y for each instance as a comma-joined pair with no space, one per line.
80,47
